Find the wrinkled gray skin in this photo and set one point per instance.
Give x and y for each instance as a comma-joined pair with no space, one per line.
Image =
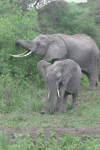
79,47
63,77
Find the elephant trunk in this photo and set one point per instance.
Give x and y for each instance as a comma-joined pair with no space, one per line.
22,43
51,97
29,46
57,93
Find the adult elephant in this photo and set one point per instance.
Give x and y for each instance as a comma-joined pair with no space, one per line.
79,47
63,77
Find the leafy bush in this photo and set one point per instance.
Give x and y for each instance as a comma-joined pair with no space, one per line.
17,24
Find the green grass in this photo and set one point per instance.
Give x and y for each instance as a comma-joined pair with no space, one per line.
20,104
40,142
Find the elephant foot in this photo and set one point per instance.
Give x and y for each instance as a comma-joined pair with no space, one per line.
51,112
91,88
57,112
43,112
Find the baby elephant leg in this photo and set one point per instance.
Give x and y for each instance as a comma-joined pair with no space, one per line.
64,105
74,99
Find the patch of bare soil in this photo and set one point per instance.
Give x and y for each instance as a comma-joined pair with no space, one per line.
78,132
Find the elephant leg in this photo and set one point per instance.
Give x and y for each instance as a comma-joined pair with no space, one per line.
93,83
64,105
59,103
46,106
74,99
91,77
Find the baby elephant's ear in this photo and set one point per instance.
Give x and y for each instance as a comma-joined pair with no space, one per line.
69,66
42,68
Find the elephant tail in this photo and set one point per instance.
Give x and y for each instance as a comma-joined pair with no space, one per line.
99,68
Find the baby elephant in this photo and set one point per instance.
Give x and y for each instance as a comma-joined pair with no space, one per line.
63,77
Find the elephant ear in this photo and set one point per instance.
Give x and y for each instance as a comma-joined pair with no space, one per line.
42,68
56,49
69,66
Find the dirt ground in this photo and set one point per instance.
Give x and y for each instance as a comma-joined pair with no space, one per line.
78,132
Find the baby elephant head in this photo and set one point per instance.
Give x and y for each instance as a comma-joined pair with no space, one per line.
56,74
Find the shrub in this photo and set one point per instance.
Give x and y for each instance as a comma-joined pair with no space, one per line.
17,24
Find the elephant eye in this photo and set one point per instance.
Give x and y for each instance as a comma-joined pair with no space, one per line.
38,43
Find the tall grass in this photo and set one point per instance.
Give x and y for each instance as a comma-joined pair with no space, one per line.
19,95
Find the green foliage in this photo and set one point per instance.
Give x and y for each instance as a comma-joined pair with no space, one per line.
4,142
17,24
66,18
67,142
84,80
18,94
94,11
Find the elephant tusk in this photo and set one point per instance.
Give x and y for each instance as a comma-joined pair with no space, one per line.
48,94
20,55
58,93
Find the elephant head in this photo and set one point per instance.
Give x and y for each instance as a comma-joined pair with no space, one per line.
56,75
49,46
